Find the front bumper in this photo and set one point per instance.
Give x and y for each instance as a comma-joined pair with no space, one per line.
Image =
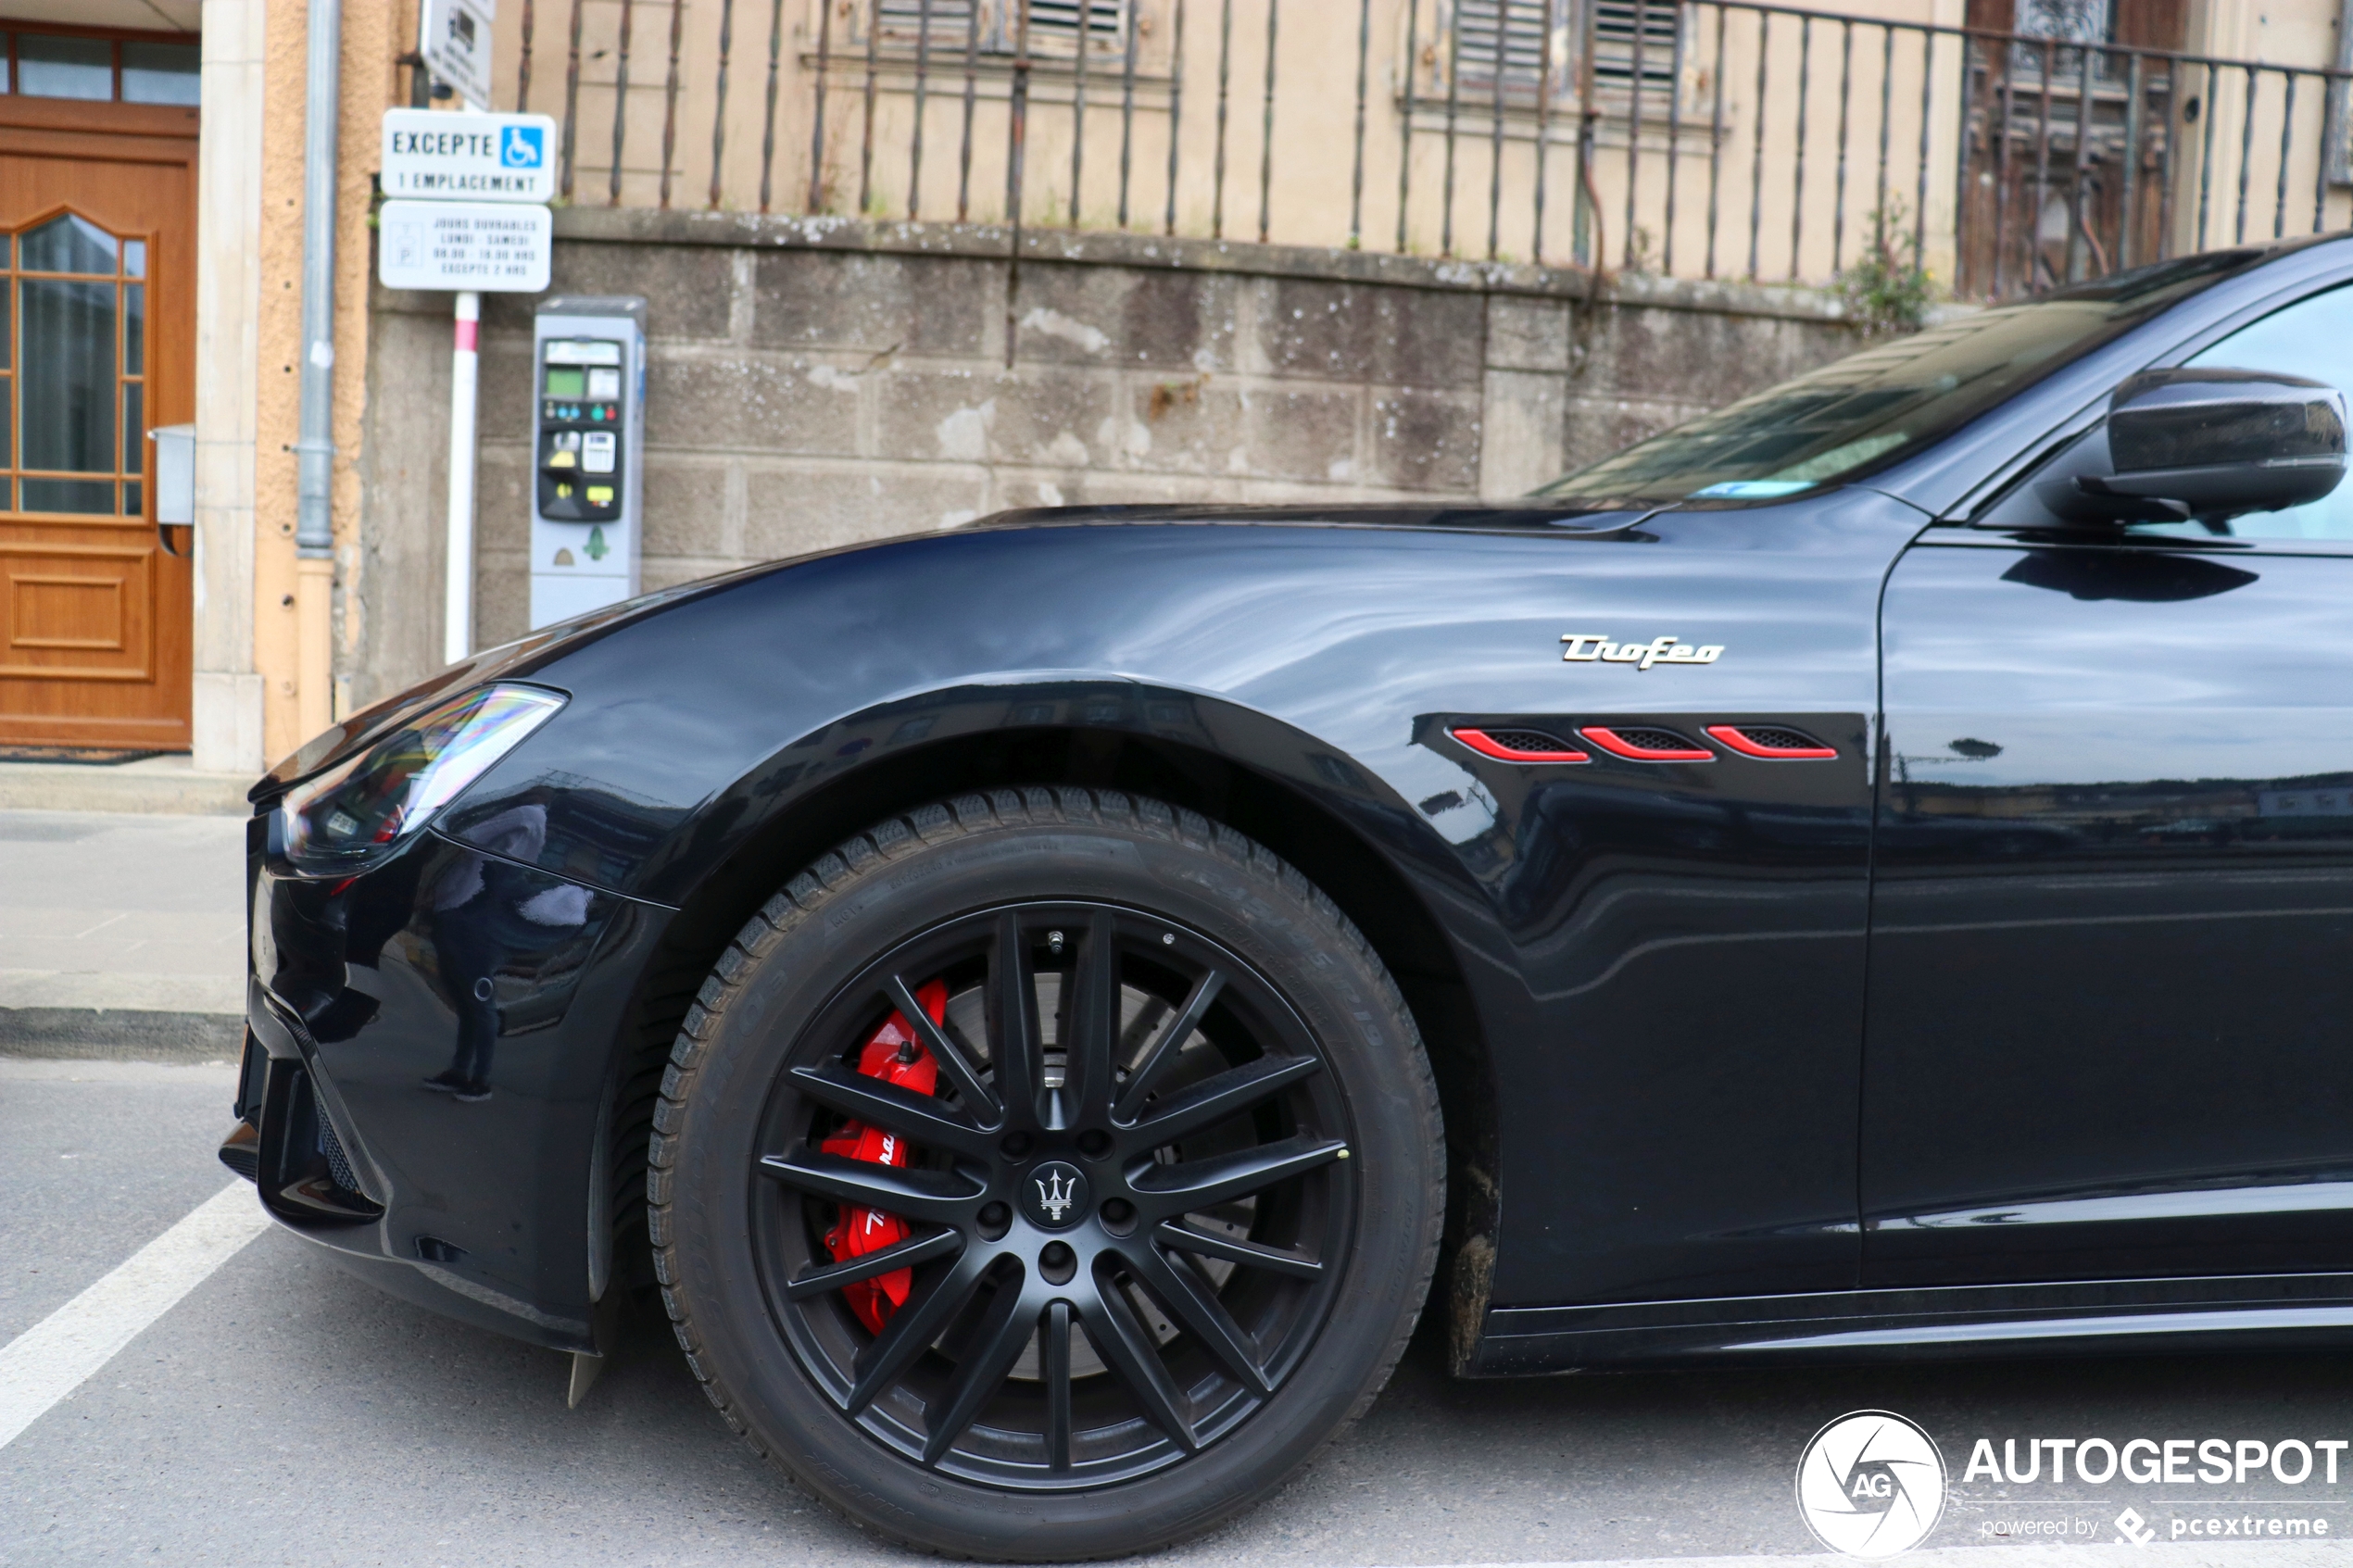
431,1054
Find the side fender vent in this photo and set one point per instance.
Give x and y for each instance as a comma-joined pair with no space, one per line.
1518,745
1774,742
1644,743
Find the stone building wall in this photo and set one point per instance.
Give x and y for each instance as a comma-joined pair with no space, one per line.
815,382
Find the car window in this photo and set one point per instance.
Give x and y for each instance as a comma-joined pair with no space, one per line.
1870,409
2311,338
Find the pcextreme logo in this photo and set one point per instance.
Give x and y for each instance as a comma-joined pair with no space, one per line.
1871,1484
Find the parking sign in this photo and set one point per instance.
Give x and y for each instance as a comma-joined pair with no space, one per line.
499,157
489,247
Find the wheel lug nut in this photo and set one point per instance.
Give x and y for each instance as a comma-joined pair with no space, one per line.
1094,1144
1057,1262
1119,1215
1016,1145
996,1218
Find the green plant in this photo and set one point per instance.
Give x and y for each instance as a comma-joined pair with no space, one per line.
1888,291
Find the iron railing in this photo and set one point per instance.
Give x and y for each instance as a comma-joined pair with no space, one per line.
1728,139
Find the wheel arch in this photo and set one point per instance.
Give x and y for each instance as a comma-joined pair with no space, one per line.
1254,797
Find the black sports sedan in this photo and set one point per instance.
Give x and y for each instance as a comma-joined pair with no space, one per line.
1044,1007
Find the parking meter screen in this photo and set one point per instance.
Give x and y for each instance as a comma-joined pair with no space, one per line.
580,416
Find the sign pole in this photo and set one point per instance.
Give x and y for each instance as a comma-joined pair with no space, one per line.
468,213
465,361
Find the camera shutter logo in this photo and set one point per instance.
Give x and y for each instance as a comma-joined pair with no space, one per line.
1871,1483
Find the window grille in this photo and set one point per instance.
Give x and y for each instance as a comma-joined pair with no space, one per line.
1054,25
1614,31
1524,23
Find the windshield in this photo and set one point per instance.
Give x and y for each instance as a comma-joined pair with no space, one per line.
1865,411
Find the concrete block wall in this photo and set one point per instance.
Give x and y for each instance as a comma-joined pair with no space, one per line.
816,383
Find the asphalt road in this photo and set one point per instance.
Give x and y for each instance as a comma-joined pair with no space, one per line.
284,1412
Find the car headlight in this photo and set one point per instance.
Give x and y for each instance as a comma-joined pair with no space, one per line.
358,811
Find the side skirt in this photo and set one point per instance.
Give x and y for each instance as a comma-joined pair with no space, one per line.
2074,1318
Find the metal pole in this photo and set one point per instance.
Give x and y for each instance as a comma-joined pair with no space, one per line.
315,448
1716,139
457,601
2287,127
1845,93
2246,150
1356,179
1405,123
817,113
2083,70
314,526
572,100
1635,129
1016,149
1756,141
620,108
1674,141
2127,228
1078,120
1175,110
669,95
1797,186
768,130
923,82
1266,130
1495,138
719,98
1543,134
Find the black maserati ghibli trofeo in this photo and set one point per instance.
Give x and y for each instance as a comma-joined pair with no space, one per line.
1051,1002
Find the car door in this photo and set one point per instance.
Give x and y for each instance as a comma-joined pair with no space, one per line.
2110,1024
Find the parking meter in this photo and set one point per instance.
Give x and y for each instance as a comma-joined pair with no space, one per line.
587,444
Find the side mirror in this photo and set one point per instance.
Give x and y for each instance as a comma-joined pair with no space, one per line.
2209,444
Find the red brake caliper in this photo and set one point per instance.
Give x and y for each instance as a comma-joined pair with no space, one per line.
892,1054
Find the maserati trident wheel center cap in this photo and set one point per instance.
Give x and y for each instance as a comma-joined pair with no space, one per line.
1055,1195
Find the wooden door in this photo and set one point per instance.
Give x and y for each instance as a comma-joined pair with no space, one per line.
97,272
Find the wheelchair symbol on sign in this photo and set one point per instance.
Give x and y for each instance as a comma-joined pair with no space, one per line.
521,146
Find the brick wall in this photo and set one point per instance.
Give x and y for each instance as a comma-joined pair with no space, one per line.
814,383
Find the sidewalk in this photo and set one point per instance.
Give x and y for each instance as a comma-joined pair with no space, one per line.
121,935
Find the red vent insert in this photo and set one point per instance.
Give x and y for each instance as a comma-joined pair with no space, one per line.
1774,742
1519,746
1643,744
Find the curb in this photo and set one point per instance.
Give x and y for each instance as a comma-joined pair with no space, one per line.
121,1034
135,786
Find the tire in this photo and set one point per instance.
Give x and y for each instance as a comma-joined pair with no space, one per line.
1112,1337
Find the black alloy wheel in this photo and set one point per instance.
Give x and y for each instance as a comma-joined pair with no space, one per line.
1066,1186
1169,1211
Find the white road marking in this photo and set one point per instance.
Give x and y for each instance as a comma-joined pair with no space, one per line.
2267,1553
50,1359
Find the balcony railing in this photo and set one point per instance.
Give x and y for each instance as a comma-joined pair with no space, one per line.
1693,138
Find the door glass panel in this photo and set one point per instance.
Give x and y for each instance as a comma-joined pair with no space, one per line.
65,68
74,434
70,380
159,73
134,258
67,244
83,495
